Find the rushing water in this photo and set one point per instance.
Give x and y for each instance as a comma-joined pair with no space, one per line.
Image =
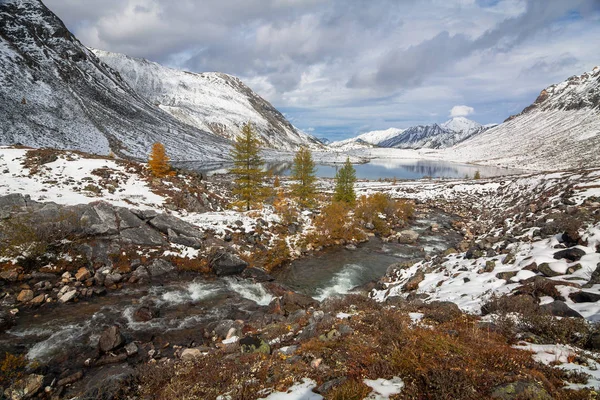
68,334
380,169
338,271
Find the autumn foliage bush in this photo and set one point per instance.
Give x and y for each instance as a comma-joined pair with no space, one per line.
383,211
335,224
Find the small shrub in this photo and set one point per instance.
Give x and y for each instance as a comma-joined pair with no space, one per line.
334,224
350,390
12,368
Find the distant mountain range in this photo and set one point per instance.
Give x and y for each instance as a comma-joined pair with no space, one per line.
432,136
55,92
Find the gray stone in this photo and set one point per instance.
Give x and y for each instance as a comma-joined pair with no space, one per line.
572,254
145,214
190,354
126,219
160,267
131,349
140,274
584,297
292,301
14,200
164,222
559,308
407,237
25,388
143,236
184,240
223,263
68,296
110,339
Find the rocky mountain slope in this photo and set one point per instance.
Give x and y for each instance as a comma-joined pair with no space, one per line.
211,101
57,93
561,129
434,136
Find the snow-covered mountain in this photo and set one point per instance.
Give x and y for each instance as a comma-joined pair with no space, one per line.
368,139
211,101
561,129
57,93
434,136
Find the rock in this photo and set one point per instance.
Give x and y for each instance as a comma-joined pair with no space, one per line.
140,274
509,259
593,342
584,297
164,222
288,350
7,320
520,390
160,267
183,240
144,314
25,296
82,274
190,354
506,275
574,268
111,280
570,238
414,281
572,254
110,339
474,252
131,349
369,226
224,263
25,388
254,344
257,275
13,201
545,269
292,301
70,379
560,309
11,275
68,296
345,330
38,300
489,266
408,236
328,386
142,236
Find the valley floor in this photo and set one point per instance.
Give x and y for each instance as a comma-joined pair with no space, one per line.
511,308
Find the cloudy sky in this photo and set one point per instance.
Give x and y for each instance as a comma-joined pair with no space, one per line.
337,68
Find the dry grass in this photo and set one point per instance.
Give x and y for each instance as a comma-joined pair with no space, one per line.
453,360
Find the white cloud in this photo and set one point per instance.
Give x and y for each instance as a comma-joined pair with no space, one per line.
461,111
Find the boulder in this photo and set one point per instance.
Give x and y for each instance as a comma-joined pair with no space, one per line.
292,301
144,314
10,275
559,308
142,236
257,275
190,354
441,311
223,263
25,296
414,281
545,269
131,349
507,276
110,339
82,274
160,267
68,296
140,274
25,388
126,219
407,236
183,240
520,390
164,222
584,297
14,200
38,300
572,254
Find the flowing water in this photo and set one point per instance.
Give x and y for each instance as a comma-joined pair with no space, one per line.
338,271
68,334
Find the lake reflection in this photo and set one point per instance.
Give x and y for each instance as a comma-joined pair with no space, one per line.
384,169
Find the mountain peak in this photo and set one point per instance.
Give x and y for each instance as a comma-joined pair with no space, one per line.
461,124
